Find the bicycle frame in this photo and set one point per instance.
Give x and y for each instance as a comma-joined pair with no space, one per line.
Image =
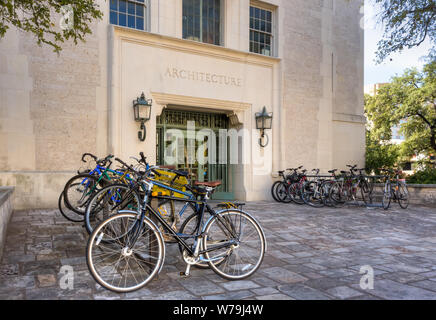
179,237
103,172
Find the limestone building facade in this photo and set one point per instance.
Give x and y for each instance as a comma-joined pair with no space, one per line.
207,61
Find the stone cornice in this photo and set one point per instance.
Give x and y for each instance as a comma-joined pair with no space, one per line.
215,104
193,47
344,117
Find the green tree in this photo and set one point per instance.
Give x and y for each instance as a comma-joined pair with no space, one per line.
408,102
407,24
380,155
43,19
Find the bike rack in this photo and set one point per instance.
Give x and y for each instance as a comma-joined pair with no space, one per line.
319,176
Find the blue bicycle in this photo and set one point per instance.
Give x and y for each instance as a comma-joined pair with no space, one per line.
78,190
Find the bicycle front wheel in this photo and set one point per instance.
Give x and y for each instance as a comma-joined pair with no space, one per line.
403,196
337,195
67,212
78,190
295,194
109,201
282,192
387,196
311,194
116,260
234,244
274,191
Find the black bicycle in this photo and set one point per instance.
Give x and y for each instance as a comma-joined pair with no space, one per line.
126,250
279,189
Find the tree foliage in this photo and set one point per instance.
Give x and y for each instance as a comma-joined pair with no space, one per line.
379,155
408,102
407,24
42,18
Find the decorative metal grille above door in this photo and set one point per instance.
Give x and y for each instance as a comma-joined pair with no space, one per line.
177,119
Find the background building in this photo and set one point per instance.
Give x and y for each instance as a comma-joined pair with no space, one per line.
372,89
201,60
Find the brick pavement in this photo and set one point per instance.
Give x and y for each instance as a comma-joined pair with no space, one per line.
312,254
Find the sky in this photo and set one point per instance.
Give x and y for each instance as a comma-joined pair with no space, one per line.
385,71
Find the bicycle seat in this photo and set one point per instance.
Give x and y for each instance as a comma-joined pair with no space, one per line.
344,172
333,171
181,173
211,184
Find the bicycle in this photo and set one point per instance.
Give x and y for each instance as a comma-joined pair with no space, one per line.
125,251
295,190
396,192
342,190
279,188
311,191
78,189
326,186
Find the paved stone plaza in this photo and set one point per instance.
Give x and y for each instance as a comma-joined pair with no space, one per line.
312,254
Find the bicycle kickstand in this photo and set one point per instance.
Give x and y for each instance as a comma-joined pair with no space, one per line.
186,274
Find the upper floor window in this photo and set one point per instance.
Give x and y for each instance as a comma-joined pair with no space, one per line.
128,13
202,20
261,31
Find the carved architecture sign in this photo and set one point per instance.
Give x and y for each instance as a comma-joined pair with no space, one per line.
202,76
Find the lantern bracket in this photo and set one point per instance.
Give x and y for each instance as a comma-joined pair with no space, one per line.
261,139
142,134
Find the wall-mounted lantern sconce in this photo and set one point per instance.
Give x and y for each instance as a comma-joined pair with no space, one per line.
263,122
142,112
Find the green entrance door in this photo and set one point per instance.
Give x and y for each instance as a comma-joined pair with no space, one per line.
201,171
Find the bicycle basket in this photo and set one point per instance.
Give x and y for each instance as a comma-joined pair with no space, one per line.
167,178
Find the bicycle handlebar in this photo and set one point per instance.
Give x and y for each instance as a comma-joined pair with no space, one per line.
104,161
125,164
143,158
90,155
137,171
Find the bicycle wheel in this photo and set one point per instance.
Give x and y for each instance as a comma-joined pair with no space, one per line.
365,193
311,194
337,195
245,241
78,190
294,193
387,195
117,264
108,201
282,192
325,190
403,196
273,190
67,213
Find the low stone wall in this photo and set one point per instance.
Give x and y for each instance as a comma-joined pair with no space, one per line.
36,190
422,193
6,195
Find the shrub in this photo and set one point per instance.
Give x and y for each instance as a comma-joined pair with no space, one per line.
427,176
